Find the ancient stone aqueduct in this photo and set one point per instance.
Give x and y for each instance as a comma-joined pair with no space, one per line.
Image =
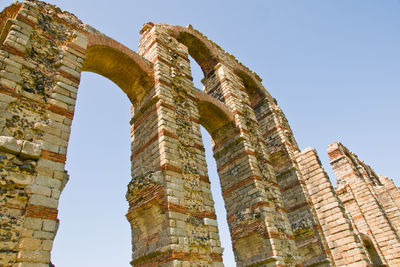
281,207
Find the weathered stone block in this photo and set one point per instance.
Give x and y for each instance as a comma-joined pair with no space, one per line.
43,201
49,225
34,256
31,150
33,223
29,244
10,144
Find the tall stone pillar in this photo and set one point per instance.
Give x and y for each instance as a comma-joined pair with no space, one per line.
40,64
282,147
171,208
258,222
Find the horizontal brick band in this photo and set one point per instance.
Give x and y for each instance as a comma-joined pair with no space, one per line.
60,111
146,145
268,113
244,153
334,154
240,184
15,206
165,105
162,81
259,204
349,202
234,135
7,91
142,110
53,156
150,239
169,167
25,20
41,212
273,130
228,95
245,229
185,210
160,258
13,50
137,123
176,208
199,147
141,197
53,108
266,204
76,47
70,77
203,214
162,132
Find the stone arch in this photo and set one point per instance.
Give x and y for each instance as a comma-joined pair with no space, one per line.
208,54
371,250
199,48
214,115
253,87
118,63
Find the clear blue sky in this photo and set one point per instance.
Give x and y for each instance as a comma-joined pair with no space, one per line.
332,65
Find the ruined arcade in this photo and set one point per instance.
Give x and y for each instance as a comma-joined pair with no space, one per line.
282,209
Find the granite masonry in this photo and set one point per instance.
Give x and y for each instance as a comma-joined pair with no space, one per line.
282,209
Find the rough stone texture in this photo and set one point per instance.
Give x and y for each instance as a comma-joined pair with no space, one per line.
371,203
281,208
342,239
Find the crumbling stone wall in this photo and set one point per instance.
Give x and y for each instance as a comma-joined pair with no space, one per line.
343,240
369,201
275,214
